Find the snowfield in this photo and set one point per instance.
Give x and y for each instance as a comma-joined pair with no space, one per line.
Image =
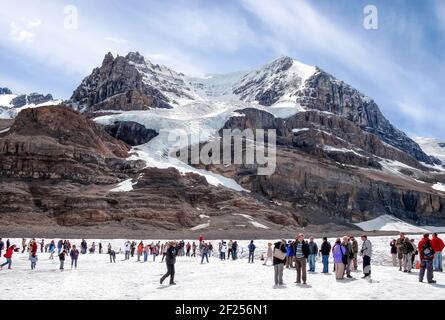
97,278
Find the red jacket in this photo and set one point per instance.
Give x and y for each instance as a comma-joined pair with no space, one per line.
437,244
34,247
420,246
9,253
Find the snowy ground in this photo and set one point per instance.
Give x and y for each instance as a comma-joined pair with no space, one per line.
97,278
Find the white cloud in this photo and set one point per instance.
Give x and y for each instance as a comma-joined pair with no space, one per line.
116,40
23,30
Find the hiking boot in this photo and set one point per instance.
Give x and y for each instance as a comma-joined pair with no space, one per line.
432,281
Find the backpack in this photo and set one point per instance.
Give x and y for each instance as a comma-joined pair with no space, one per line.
427,250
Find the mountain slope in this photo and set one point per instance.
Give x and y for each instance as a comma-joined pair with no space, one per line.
11,104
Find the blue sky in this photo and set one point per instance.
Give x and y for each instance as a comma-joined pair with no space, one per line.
400,65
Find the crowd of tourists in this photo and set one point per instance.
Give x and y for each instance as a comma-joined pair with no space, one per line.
299,254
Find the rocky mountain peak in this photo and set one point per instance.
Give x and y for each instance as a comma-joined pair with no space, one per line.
5,91
135,57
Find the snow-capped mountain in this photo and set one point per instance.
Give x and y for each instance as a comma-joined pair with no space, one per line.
11,104
433,147
135,83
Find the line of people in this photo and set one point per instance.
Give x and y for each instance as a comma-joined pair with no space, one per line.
299,253
404,251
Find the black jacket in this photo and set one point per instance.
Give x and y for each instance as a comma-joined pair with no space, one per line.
170,257
279,246
305,248
325,248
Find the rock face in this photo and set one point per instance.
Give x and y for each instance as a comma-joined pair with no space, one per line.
130,132
326,93
42,144
60,174
117,85
328,167
33,98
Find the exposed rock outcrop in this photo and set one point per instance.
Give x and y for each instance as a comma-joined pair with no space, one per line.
130,132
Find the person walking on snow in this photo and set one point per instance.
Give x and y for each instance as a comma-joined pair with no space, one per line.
33,258
325,251
170,260
313,251
438,246
251,248
23,245
426,255
268,254
301,249
366,252
279,259
8,256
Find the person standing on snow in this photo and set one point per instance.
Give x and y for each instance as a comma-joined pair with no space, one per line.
100,247
42,245
349,256
229,251
301,249
23,245
399,245
223,251
426,255
127,250
325,251
438,246
313,251
204,252
83,246
354,243
268,254
188,247
339,252
194,249
2,246
62,259
408,251
279,259
170,260
393,252
366,252
140,249
52,249
234,250
8,256
251,248
74,255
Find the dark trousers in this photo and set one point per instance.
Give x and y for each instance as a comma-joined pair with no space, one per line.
170,272
223,256
428,266
112,257
251,256
366,266
300,265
